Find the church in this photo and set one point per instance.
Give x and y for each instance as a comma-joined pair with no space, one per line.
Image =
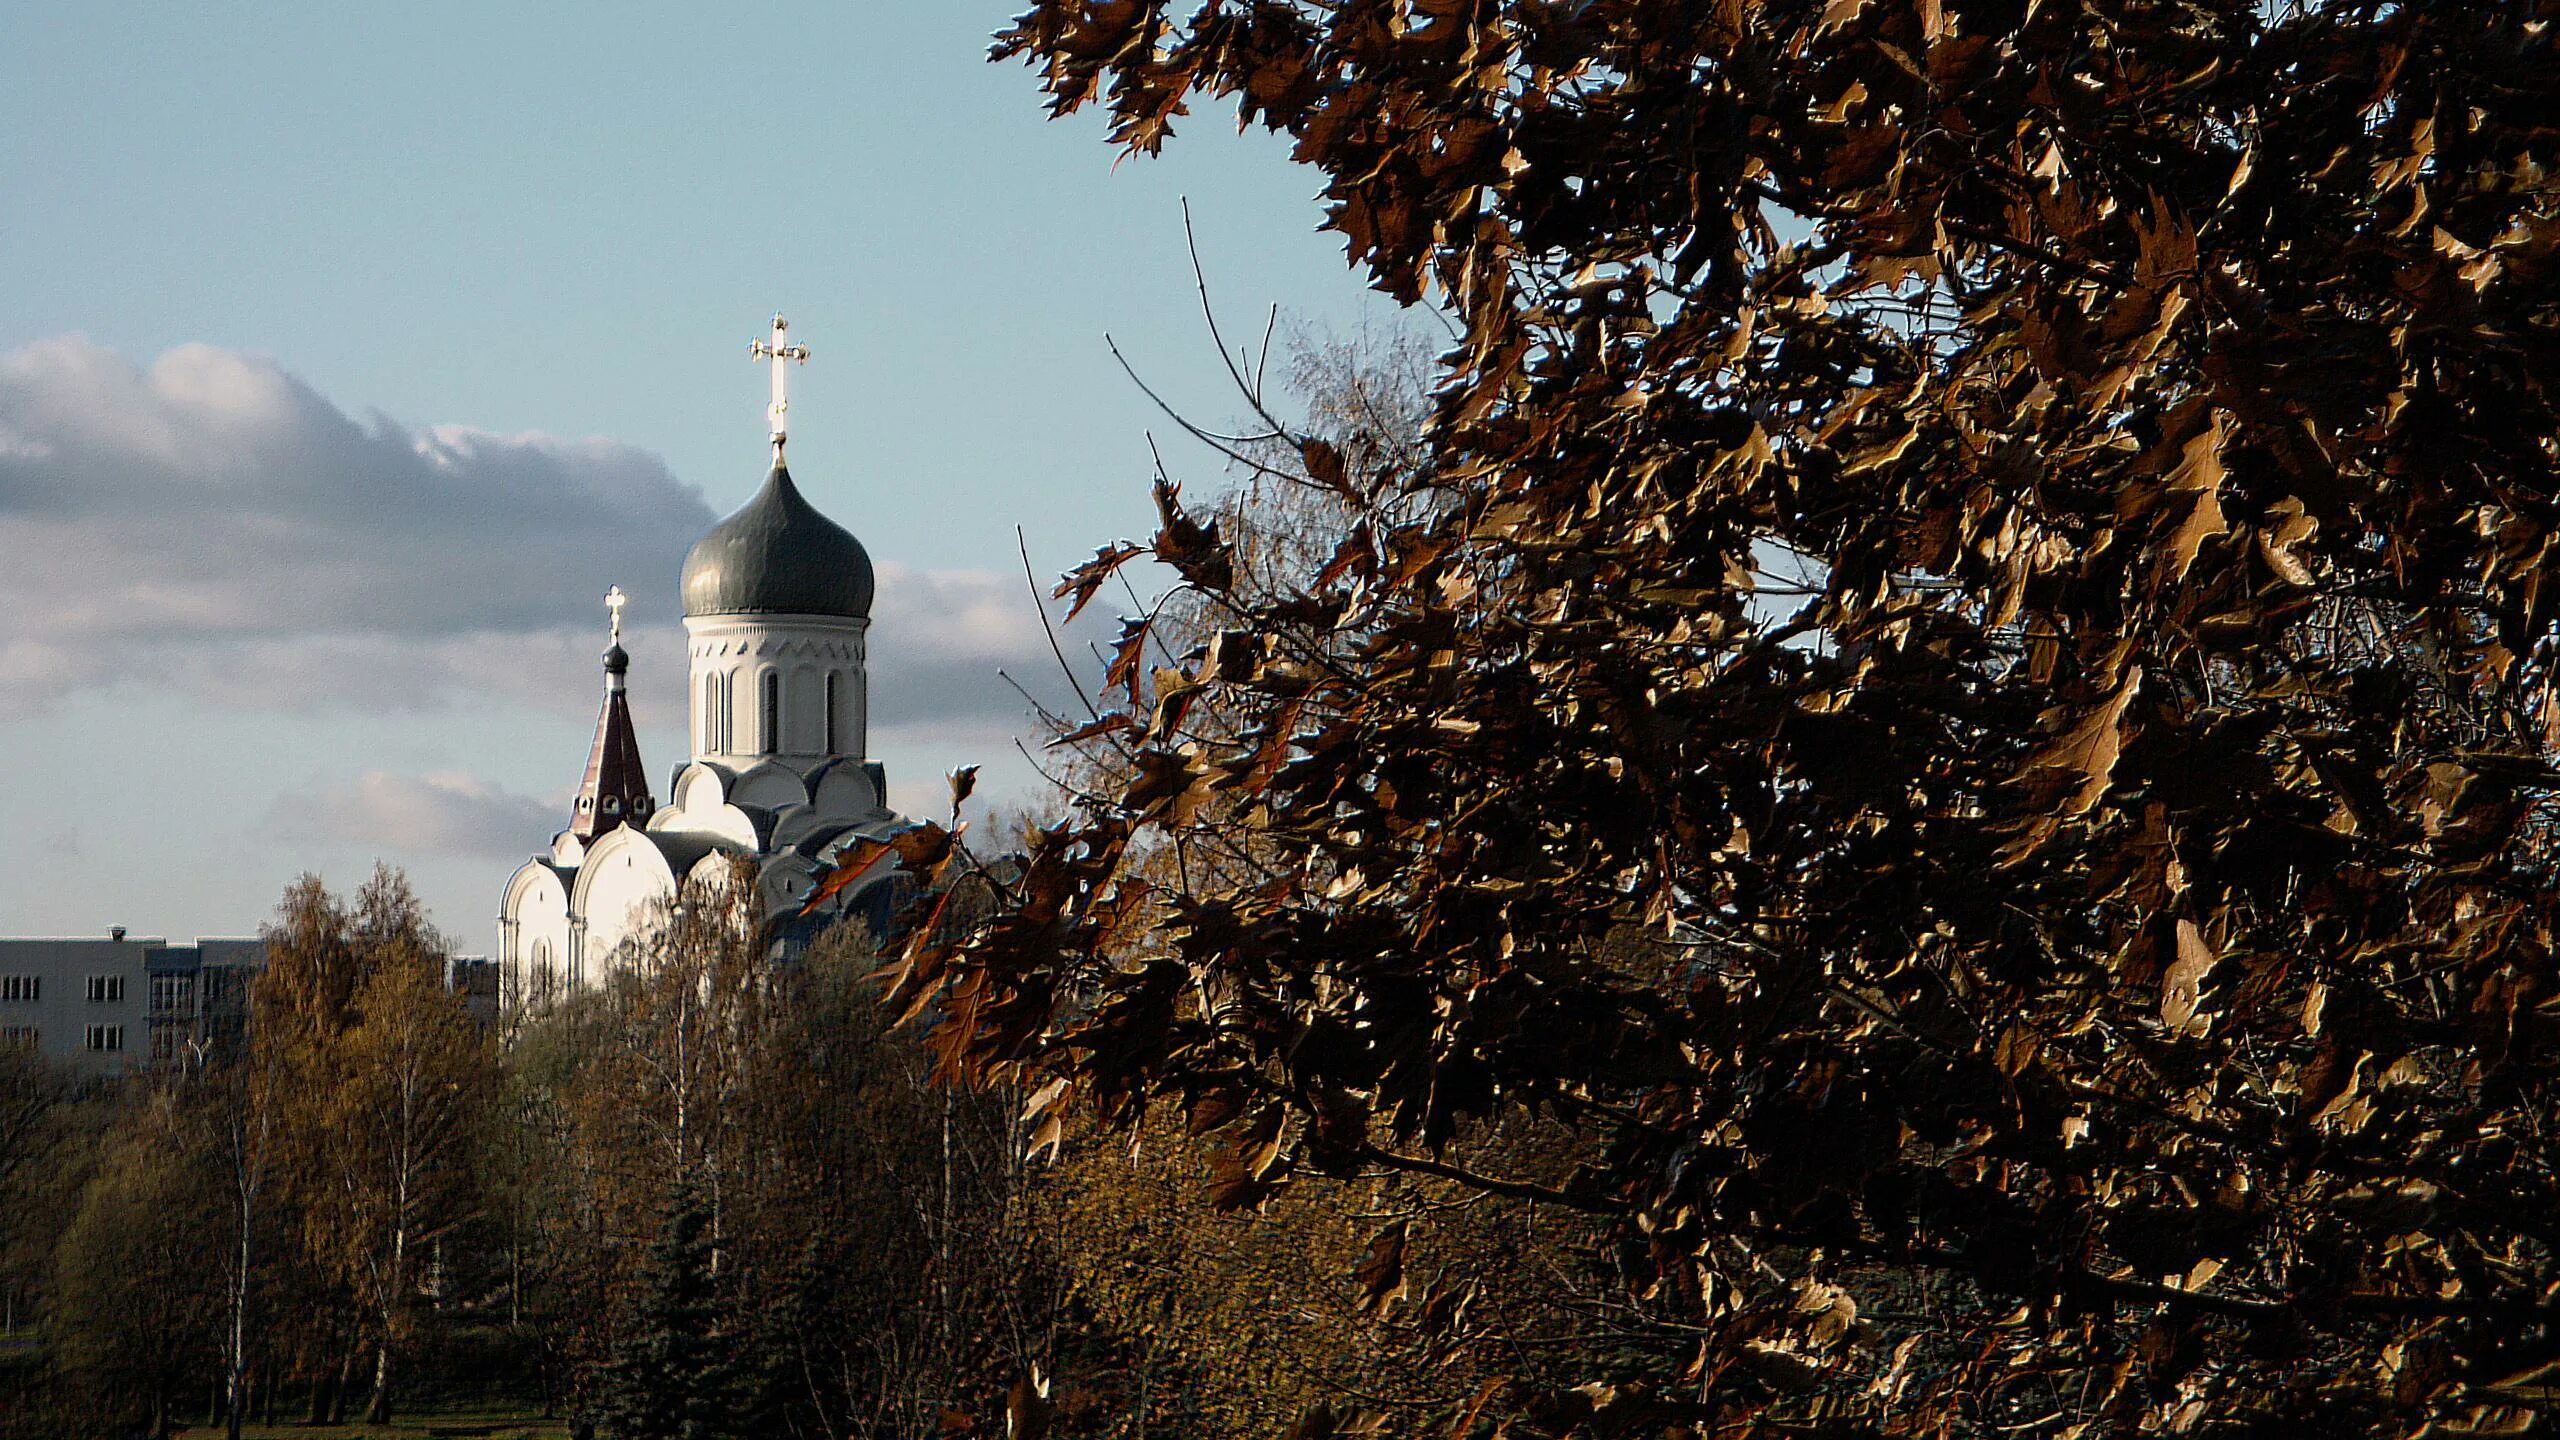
777,609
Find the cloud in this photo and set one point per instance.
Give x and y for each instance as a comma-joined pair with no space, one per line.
213,521
438,814
211,524
939,637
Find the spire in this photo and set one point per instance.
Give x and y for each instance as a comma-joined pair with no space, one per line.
616,790
781,352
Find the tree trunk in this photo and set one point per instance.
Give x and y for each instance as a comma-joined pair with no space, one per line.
236,1362
338,1388
377,1411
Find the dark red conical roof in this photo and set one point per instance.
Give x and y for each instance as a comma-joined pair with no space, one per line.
616,790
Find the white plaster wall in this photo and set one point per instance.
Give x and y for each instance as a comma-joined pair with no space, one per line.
769,786
623,888
740,650
844,792
533,936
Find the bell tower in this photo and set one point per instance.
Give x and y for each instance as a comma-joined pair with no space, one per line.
616,788
777,607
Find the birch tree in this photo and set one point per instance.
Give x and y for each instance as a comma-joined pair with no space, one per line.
408,1125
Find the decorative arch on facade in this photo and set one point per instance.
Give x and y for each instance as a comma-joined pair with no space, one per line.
843,791
621,891
769,786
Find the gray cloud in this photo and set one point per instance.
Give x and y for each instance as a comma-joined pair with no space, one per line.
211,523
939,637
415,815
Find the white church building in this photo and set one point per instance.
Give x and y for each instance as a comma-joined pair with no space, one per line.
777,608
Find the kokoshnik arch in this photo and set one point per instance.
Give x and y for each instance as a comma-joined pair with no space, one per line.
777,605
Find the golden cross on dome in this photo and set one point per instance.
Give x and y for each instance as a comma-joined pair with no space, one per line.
781,352
614,600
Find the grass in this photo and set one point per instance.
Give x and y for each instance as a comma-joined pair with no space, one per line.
458,1423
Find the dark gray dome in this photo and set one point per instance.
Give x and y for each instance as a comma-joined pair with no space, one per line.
778,556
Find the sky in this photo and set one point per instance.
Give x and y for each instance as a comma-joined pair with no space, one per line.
349,353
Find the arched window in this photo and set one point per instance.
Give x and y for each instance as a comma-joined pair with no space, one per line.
835,729
771,703
728,731
710,713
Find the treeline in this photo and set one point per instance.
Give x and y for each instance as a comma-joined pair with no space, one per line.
263,1231
715,1195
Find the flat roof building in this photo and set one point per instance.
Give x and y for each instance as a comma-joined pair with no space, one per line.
104,1006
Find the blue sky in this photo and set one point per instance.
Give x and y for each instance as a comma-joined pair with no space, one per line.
347,353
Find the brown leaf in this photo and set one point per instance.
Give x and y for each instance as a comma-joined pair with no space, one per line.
852,864
1110,723
2182,992
1086,580
1325,467
1380,1275
1129,658
2089,750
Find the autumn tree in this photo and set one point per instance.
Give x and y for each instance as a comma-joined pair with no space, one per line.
238,1103
407,1127
31,1093
2088,965
730,1154
367,1080
1244,1300
135,1311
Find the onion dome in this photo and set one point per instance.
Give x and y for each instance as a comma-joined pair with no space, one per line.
778,556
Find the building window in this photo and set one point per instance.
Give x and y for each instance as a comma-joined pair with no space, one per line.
18,1035
21,987
106,989
710,713
168,1044
728,731
771,701
173,995
106,1037
835,708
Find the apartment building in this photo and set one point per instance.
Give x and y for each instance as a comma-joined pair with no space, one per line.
107,1005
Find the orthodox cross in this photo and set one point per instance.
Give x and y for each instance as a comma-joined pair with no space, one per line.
614,600
781,353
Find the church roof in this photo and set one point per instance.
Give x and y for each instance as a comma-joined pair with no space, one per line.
616,788
778,556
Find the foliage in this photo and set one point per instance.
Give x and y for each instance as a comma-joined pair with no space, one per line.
867,1242
31,1097
674,1376
2090,964
133,1304
1240,1322
372,1088
407,1120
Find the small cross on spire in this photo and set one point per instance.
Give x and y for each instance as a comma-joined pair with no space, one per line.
781,352
614,600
